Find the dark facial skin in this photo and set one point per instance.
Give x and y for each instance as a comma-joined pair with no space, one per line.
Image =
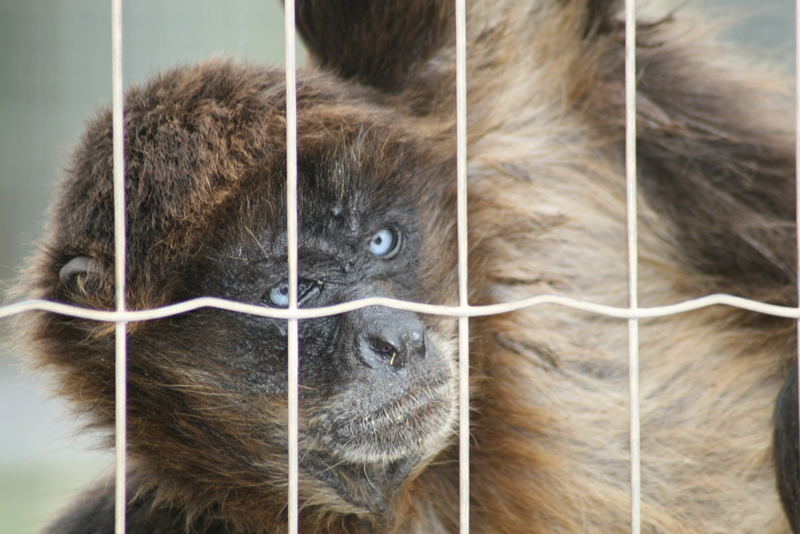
376,393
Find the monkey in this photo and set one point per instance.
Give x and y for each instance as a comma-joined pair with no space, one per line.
205,166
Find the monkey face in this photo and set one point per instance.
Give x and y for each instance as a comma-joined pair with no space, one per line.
206,210
377,386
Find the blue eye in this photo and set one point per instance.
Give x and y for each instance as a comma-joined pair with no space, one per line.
385,243
279,295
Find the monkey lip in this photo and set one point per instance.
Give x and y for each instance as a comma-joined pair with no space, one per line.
404,411
422,415
418,399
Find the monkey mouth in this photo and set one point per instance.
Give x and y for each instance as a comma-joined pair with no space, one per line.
378,450
410,409
410,414
416,422
401,427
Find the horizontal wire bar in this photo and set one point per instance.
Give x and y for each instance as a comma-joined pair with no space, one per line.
429,309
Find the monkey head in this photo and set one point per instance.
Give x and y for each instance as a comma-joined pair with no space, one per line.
206,210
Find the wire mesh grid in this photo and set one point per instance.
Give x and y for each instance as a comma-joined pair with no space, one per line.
632,313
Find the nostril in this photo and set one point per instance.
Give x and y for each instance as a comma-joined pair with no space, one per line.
381,346
377,348
391,341
416,344
388,351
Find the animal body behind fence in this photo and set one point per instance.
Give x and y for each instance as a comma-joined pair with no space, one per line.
205,161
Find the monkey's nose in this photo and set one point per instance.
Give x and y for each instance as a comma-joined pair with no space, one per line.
395,344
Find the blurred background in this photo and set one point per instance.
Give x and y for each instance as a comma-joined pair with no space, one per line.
55,65
55,62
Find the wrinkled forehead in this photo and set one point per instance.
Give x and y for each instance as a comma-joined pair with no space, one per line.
365,172
343,186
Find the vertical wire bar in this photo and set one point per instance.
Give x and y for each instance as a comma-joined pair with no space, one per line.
633,260
119,267
797,183
463,252
291,244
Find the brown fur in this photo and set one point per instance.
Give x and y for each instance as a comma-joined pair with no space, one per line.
550,410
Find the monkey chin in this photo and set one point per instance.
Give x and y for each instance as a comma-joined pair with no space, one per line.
365,459
377,435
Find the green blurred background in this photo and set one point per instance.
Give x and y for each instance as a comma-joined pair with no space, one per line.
54,73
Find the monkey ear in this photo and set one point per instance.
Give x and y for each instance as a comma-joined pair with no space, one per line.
77,266
84,281
82,273
375,42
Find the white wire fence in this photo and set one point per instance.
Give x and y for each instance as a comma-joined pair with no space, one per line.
632,313
120,337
